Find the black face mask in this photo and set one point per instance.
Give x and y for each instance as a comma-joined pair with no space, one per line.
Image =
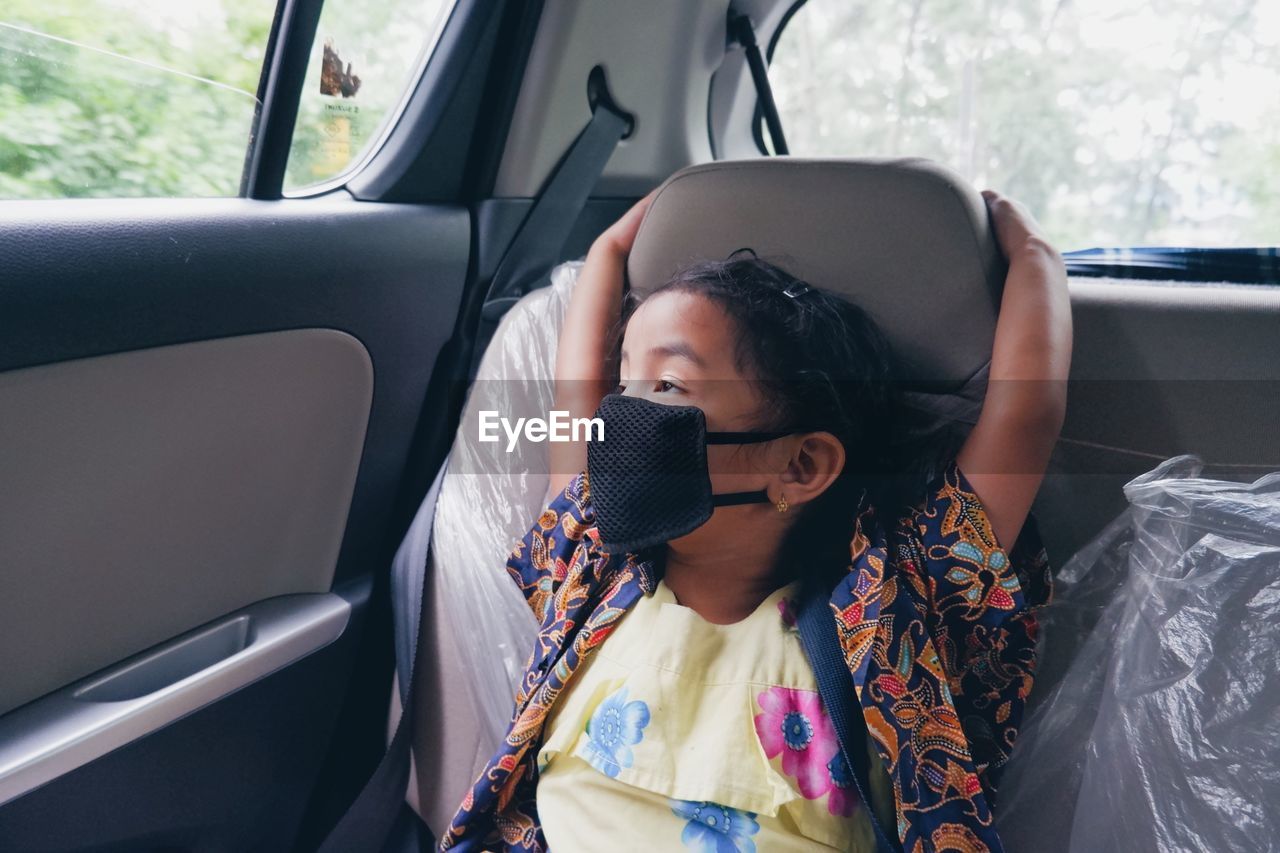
648,476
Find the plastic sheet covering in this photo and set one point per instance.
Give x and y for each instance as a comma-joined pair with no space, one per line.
490,497
1163,732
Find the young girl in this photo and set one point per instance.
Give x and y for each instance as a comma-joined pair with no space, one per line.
669,702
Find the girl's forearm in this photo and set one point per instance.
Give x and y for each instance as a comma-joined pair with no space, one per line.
1031,354
583,368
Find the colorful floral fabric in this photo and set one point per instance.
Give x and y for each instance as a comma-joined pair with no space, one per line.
795,725
936,618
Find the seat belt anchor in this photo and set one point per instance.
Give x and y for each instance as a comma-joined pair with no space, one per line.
598,95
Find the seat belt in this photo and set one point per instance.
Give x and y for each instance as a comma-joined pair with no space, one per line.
835,685
367,823
742,32
541,238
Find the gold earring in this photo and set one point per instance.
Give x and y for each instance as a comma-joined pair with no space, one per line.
782,504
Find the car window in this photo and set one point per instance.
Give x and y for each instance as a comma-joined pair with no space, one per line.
364,57
1120,122
158,98
116,98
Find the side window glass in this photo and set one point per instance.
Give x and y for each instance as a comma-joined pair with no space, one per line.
128,98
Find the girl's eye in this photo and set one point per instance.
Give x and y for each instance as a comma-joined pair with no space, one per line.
664,385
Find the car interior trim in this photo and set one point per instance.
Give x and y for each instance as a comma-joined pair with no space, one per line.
87,719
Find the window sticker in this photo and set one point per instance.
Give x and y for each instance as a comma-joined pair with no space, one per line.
343,127
335,79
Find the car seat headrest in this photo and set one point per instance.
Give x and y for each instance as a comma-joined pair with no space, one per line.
905,238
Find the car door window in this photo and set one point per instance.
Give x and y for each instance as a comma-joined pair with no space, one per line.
156,98
126,98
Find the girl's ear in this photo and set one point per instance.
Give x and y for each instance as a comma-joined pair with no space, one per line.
815,463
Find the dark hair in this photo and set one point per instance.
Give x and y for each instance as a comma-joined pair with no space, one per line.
822,363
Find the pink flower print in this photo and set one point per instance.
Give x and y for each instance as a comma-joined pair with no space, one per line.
795,724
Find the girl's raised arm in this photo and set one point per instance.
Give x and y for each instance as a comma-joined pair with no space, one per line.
1005,456
583,374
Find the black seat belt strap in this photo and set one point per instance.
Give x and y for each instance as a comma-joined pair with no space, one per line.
368,820
542,236
743,32
835,685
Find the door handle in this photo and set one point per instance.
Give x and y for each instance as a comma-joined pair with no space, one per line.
70,727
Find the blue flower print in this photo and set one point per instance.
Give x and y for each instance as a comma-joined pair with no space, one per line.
713,828
841,775
797,731
613,729
843,798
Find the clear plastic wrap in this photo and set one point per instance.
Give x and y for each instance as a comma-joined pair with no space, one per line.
489,499
1162,731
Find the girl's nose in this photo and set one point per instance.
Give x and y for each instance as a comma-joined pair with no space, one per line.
638,388
647,391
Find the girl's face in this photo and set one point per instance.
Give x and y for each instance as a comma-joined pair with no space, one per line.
679,350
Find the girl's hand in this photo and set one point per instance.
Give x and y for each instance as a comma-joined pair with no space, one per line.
619,237
1015,227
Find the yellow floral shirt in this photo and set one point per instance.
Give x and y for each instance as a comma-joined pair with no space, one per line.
683,734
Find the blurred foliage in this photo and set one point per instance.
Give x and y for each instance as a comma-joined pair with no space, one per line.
1118,122
121,104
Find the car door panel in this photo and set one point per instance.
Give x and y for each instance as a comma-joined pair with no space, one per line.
155,490
94,277
206,413
227,777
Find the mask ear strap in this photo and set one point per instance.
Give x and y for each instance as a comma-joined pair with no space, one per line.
746,437
762,496
736,498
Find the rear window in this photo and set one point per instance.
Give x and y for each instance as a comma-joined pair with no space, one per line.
1120,123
